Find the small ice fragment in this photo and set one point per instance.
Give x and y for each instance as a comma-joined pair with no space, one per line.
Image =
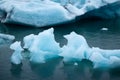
75,64
104,29
7,37
16,57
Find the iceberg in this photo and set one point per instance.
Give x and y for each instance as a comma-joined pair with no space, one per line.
77,49
40,13
16,57
34,12
43,47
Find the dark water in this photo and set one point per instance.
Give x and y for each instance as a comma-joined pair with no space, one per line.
56,69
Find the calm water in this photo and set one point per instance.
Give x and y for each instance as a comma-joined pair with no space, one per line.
56,69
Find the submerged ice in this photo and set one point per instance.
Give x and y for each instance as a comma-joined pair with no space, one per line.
43,47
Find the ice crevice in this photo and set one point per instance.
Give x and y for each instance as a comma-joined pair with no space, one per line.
43,47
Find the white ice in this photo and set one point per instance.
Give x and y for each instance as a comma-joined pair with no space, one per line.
5,38
78,49
43,47
39,13
104,29
16,57
75,49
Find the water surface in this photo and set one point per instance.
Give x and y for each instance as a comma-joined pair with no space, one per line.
56,69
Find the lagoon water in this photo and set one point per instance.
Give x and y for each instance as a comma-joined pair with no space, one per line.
56,69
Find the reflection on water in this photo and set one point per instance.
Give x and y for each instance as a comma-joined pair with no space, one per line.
45,70
82,71
55,69
3,28
16,69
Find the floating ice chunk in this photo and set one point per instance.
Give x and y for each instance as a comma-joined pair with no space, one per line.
16,57
33,12
5,38
104,29
42,46
75,64
76,48
45,41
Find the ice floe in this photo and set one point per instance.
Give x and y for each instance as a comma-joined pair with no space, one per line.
40,13
43,47
6,38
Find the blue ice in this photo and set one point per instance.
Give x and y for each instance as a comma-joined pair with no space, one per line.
43,47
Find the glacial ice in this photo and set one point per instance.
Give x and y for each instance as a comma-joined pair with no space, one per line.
34,12
16,57
76,48
5,38
39,13
43,47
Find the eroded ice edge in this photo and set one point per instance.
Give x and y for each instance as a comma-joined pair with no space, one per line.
43,47
39,13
